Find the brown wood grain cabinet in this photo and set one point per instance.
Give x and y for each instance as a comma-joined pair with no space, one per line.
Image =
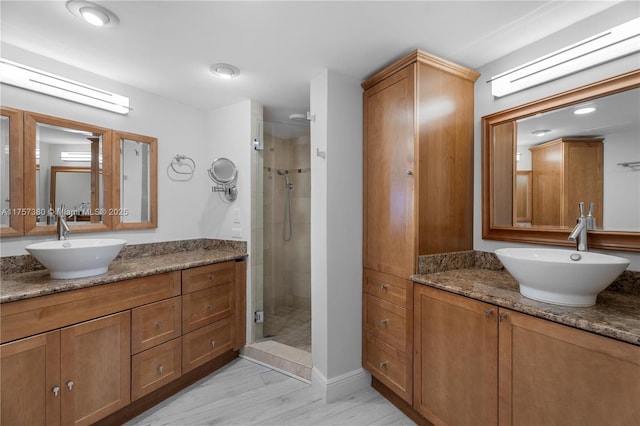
475,363
79,356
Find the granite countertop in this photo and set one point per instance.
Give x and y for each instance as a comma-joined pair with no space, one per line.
615,314
26,285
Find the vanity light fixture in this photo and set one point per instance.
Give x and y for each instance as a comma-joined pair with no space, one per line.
77,156
92,13
584,110
541,132
18,75
224,71
614,43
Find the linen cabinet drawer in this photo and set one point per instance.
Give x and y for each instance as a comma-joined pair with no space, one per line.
155,323
194,279
206,343
389,288
388,365
206,306
388,322
155,368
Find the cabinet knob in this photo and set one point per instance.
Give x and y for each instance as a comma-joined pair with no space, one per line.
210,276
384,287
384,322
383,364
70,384
159,325
213,343
210,307
502,316
488,313
56,390
409,173
160,369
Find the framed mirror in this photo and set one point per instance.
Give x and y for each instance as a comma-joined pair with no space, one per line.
11,163
135,181
541,159
53,144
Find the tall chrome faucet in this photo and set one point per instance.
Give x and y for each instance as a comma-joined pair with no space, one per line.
584,224
61,224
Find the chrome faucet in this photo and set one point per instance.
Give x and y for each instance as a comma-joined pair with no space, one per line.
62,227
584,224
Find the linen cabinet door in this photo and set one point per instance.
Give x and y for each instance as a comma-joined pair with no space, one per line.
455,358
388,203
95,368
30,381
554,374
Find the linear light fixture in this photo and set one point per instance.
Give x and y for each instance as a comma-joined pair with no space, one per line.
614,43
78,156
15,74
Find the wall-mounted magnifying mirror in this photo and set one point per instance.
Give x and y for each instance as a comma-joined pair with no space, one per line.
53,147
224,173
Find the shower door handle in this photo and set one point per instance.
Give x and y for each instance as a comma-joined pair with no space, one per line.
409,173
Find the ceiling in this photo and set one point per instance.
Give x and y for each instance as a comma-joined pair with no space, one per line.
166,47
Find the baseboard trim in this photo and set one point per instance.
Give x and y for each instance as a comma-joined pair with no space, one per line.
336,388
400,403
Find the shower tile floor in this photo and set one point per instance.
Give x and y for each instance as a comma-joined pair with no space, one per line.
290,326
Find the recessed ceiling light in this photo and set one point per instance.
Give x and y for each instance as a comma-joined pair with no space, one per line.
584,110
225,71
540,132
92,13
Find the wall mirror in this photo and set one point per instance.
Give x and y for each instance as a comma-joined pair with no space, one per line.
11,191
135,181
62,157
541,159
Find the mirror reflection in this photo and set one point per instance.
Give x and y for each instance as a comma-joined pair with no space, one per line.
135,181
4,171
68,163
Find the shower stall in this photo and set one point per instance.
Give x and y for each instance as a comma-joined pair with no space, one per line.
283,188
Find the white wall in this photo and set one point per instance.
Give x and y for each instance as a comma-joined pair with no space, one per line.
180,130
485,103
336,236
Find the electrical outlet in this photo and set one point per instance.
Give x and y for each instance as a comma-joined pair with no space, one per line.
236,232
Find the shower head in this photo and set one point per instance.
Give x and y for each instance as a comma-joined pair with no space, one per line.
282,172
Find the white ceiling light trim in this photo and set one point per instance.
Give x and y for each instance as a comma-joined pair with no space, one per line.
614,43
225,71
92,13
15,74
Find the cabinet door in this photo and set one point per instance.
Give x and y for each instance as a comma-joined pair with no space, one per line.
455,358
389,136
554,374
95,368
30,381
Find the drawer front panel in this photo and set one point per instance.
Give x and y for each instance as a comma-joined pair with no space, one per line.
388,365
206,343
389,288
195,279
155,368
388,322
156,323
206,306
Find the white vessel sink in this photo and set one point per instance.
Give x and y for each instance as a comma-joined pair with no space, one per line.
76,258
561,277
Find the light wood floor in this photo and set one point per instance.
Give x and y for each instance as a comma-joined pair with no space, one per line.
246,393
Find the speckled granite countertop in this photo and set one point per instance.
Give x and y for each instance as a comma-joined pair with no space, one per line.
615,314
24,285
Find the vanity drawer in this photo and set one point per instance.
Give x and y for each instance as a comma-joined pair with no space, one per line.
155,323
206,343
388,322
388,365
194,279
389,288
155,367
206,306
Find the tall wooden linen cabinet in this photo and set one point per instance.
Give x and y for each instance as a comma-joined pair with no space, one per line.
418,197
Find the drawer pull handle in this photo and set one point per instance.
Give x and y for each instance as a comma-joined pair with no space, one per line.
488,313
213,343
159,325
210,307
56,390
160,369
70,384
384,322
384,287
383,364
210,276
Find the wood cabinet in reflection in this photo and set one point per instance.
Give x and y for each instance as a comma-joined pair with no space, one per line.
565,172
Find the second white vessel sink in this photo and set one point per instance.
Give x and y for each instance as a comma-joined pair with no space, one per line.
561,277
79,258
